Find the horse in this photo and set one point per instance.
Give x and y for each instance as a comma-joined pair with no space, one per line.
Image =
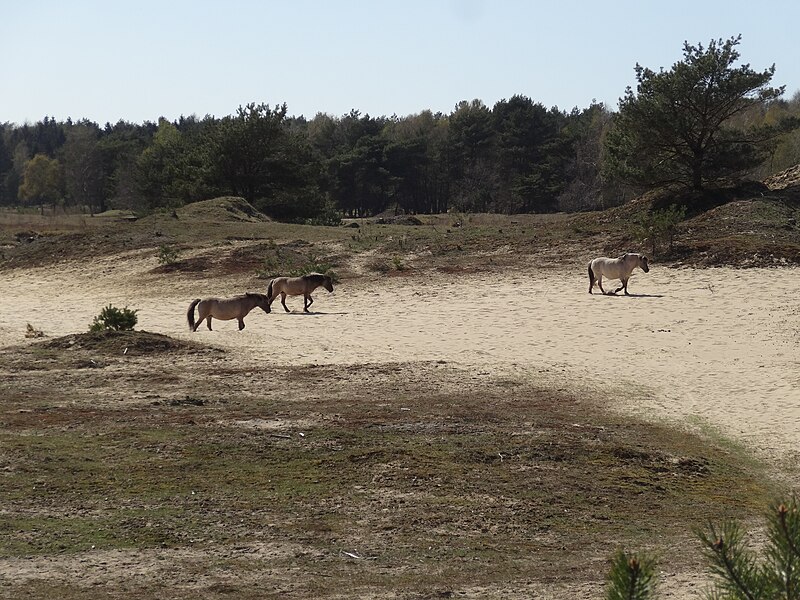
294,286
616,268
225,309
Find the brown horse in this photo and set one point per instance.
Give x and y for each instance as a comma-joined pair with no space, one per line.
225,309
295,286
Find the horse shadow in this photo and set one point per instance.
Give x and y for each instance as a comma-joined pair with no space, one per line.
629,295
315,313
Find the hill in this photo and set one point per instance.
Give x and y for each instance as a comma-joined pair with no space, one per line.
751,225
223,209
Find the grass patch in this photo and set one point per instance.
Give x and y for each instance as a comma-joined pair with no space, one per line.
427,481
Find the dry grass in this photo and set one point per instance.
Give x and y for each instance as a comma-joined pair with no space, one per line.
369,480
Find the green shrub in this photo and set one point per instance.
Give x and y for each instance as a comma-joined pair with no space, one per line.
659,227
115,319
269,268
167,254
328,215
314,264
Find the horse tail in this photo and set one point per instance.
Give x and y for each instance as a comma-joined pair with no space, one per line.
269,289
592,278
190,314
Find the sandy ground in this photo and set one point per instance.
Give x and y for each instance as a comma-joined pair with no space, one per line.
716,347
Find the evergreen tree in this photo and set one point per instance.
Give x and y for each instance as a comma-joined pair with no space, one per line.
472,158
8,188
631,578
679,128
737,572
529,155
84,177
245,148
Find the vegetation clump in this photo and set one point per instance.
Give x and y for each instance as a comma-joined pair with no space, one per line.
115,319
167,255
658,227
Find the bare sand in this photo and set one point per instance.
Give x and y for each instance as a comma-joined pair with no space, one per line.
716,348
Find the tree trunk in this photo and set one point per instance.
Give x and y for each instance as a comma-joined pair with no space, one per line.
697,172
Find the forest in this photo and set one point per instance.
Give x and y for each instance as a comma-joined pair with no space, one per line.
517,156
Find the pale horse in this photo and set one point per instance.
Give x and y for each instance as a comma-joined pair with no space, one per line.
616,268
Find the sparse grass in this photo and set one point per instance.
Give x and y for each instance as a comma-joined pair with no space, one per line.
755,231
430,481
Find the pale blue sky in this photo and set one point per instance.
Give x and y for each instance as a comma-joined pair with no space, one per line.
139,60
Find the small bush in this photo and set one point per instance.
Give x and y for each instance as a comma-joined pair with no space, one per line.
167,254
314,264
115,319
379,266
660,226
268,269
32,332
328,216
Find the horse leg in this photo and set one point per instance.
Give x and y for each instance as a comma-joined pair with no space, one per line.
241,323
208,322
600,284
283,301
624,286
200,318
307,301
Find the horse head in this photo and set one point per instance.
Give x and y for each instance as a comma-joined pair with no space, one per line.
262,301
643,263
327,283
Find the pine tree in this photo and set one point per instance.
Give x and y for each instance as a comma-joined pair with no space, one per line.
736,571
679,126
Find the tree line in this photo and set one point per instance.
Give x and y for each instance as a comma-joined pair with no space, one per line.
701,122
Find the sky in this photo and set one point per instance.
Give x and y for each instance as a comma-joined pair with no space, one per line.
140,60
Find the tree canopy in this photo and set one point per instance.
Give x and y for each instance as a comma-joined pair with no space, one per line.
685,126
704,121
41,182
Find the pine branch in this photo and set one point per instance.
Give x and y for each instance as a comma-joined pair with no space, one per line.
734,567
631,578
